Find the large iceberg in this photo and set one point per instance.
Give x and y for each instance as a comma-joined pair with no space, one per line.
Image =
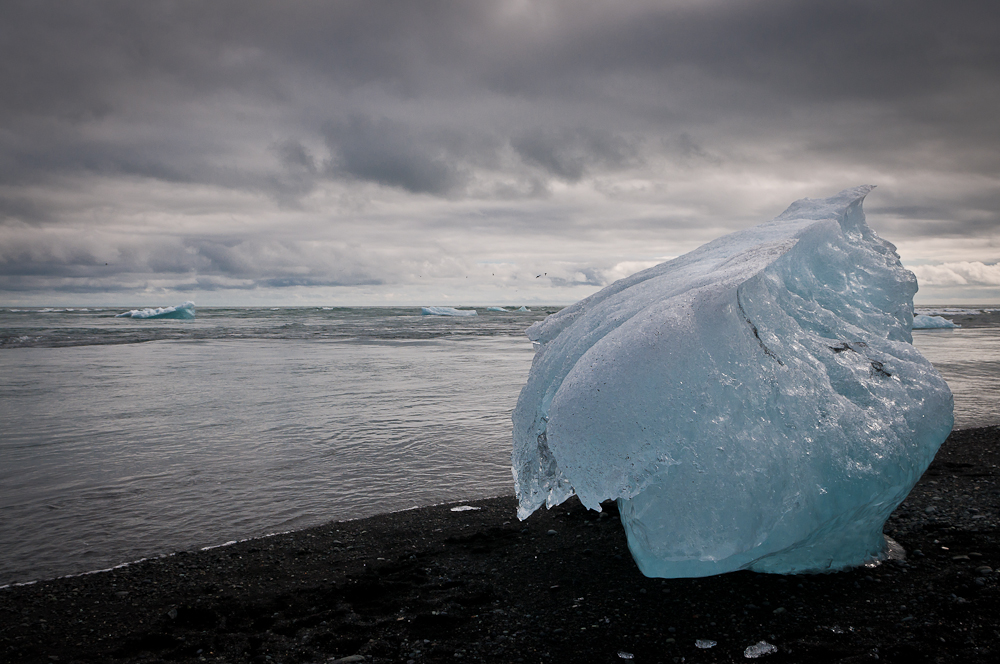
755,404
182,311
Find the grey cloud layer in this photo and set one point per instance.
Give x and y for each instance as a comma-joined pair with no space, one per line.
314,106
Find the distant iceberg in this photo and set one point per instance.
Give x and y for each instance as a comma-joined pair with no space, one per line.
446,311
495,309
754,404
524,308
180,312
925,322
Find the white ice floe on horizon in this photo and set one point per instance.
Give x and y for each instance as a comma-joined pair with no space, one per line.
446,311
524,308
184,311
495,309
925,322
755,404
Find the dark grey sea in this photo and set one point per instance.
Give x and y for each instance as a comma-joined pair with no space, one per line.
126,438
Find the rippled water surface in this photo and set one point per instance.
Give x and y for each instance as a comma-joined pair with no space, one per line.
242,423
125,438
969,359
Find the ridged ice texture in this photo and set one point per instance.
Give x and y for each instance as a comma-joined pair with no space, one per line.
754,404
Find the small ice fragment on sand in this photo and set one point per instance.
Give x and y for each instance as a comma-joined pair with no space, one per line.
704,644
894,550
465,508
759,649
625,655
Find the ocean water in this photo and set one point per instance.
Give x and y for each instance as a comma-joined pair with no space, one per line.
122,439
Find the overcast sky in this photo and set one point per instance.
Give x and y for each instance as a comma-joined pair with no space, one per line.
446,153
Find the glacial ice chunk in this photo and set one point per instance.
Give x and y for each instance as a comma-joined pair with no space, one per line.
754,404
925,322
182,311
446,311
524,308
495,309
759,649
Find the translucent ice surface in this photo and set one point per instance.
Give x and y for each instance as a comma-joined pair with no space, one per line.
925,322
182,311
754,404
759,649
446,311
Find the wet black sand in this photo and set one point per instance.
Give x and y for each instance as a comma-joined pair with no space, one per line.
432,585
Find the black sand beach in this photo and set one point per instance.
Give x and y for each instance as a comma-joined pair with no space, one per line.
433,585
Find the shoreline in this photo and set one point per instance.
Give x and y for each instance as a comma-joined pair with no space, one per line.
127,563
210,547
429,585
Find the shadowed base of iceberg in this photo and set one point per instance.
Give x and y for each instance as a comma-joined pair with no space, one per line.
825,546
429,583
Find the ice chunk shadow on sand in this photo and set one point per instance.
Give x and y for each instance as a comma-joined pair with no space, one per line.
754,404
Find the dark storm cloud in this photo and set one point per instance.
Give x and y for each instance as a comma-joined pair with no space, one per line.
437,161
482,101
86,61
83,264
20,208
570,153
25,164
267,263
393,154
977,213
296,157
